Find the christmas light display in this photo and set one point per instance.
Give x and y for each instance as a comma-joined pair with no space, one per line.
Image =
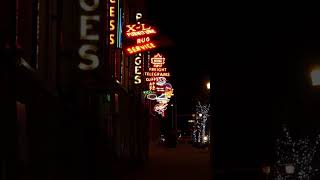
295,156
200,135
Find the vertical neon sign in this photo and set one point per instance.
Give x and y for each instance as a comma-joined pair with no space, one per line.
89,34
138,59
112,21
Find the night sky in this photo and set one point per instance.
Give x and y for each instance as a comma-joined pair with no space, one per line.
187,59
257,57
254,49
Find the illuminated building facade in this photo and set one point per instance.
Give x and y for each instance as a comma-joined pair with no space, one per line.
79,95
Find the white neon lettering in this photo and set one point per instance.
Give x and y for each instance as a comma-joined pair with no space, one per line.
138,16
87,7
137,79
85,26
83,52
137,69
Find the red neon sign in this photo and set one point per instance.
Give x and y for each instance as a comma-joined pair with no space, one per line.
140,48
138,30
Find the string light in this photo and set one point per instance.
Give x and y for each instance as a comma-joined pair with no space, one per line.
299,153
199,134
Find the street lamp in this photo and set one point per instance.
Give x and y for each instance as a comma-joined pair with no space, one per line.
315,76
208,85
289,168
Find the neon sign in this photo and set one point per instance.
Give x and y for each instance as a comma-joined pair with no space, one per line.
112,22
160,108
158,60
143,40
140,48
148,92
137,69
158,80
141,33
157,73
138,30
88,52
166,74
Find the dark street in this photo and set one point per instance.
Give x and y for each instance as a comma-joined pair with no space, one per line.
183,162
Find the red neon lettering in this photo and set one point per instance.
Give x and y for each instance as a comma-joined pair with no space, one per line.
140,48
143,28
131,28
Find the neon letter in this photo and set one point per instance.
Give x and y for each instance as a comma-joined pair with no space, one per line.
84,26
87,7
83,52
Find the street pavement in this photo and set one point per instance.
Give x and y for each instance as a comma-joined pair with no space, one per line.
183,162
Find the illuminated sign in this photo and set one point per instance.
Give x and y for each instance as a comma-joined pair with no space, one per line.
89,23
137,69
156,73
143,40
160,108
161,81
140,48
138,30
112,21
156,76
141,33
163,98
158,69
148,92
166,74
158,80
158,60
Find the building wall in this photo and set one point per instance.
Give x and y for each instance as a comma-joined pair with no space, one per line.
69,126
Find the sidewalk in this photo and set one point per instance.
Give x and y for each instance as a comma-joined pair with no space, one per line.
183,162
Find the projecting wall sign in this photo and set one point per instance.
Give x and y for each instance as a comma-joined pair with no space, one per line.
89,35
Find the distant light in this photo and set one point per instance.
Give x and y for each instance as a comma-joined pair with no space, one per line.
200,115
315,77
205,138
208,85
191,120
289,168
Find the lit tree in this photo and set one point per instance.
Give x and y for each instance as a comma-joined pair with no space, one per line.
298,153
200,133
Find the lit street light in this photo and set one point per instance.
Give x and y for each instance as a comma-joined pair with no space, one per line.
208,85
315,77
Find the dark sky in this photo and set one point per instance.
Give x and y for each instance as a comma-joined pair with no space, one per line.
256,48
258,57
186,59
